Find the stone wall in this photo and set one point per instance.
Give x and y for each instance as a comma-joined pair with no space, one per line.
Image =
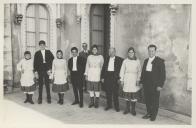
167,26
71,33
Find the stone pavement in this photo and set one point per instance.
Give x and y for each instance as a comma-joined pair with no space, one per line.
68,114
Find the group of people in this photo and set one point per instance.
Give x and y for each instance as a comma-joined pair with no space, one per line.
89,71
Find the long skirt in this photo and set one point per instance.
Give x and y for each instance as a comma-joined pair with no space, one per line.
28,88
130,96
93,86
57,88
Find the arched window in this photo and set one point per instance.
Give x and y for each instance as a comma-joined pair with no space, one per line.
37,26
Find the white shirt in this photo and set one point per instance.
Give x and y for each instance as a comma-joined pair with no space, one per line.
85,51
43,54
149,64
74,68
111,64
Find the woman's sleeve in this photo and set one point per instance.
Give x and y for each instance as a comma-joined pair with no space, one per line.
19,66
53,68
138,71
122,71
102,61
87,66
65,68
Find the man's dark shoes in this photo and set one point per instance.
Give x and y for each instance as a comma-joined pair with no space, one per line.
152,118
75,102
107,108
81,105
39,101
147,116
117,110
49,101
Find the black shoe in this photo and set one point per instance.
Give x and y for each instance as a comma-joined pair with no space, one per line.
26,101
96,102
59,98
152,118
30,99
91,102
39,101
27,98
81,105
133,112
117,110
107,108
49,101
127,109
147,116
61,102
75,102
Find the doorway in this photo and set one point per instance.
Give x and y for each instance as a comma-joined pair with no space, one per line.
100,27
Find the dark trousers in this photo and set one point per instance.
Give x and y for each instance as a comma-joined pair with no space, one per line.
151,96
77,84
84,83
44,79
112,89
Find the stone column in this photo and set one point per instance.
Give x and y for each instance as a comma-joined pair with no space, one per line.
15,39
85,24
113,11
7,51
58,32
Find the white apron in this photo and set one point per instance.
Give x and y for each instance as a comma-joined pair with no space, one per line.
27,78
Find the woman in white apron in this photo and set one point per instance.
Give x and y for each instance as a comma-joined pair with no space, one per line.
93,73
59,73
25,66
130,75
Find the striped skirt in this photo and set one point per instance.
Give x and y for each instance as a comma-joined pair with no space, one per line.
28,88
130,96
57,88
93,86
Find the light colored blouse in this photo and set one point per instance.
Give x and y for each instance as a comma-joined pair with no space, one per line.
93,67
27,77
59,71
130,73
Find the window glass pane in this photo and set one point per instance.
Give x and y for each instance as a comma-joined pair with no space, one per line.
43,12
43,25
97,37
99,10
31,11
31,24
37,24
44,36
98,23
30,39
32,50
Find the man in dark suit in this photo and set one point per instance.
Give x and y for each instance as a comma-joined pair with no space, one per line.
76,65
84,53
110,77
42,66
152,79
